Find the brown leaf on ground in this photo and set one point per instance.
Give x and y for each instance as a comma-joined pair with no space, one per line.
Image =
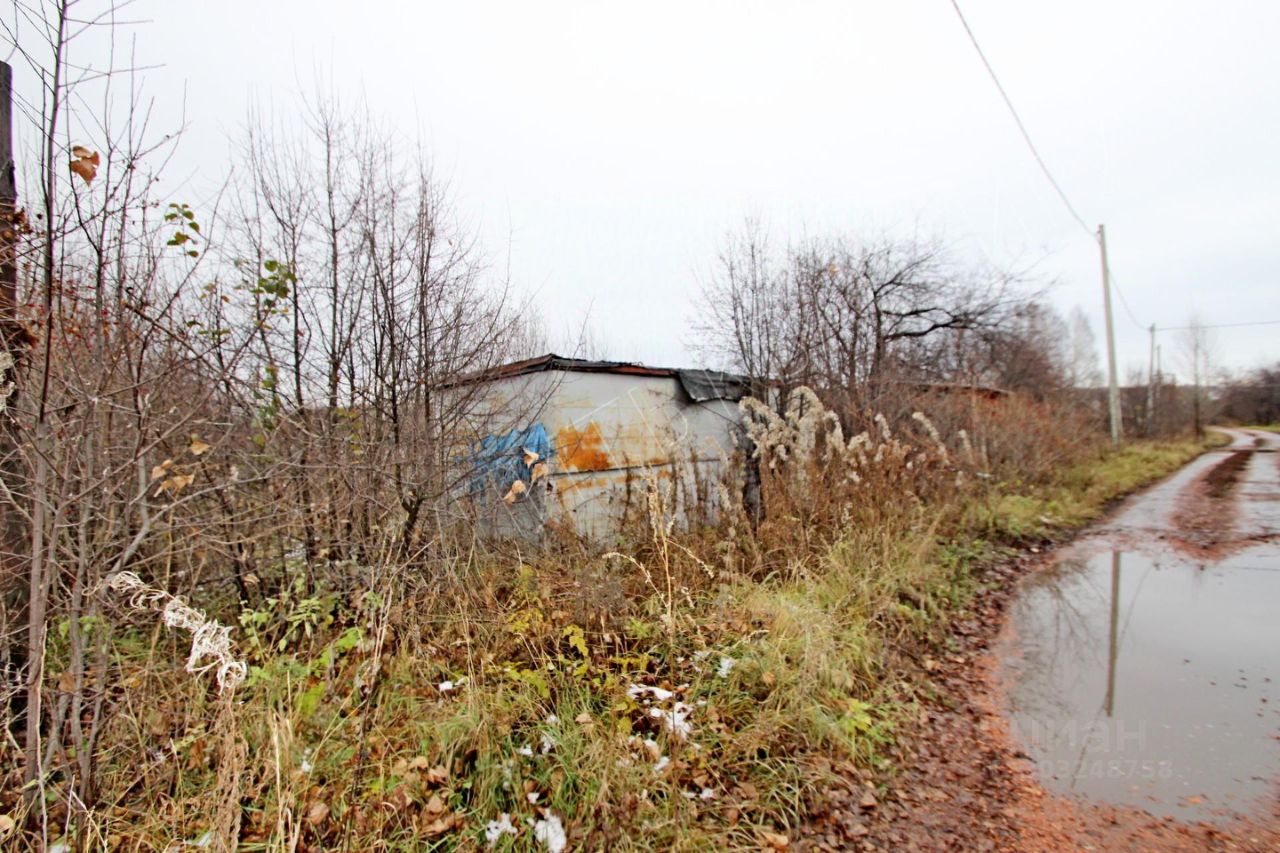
317,813
776,840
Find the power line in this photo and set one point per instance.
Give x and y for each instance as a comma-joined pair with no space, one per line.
1022,128
1125,302
1035,152
1219,325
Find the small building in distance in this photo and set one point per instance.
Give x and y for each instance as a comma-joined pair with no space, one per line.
572,443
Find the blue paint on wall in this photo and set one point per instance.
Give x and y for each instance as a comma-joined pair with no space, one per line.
498,460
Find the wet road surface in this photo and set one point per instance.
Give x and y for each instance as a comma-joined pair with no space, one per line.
1142,667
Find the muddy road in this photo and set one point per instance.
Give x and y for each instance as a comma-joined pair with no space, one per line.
1142,667
1119,693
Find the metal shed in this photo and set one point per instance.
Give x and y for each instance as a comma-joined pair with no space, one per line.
572,442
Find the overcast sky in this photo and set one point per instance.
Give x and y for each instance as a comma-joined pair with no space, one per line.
607,148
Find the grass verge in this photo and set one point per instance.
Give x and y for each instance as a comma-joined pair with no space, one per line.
616,700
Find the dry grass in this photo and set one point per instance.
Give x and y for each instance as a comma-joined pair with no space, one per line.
558,686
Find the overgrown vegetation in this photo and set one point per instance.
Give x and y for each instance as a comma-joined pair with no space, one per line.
704,690
235,437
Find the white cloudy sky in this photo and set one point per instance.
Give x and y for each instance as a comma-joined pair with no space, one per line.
608,147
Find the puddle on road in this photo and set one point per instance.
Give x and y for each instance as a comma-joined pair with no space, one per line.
1150,681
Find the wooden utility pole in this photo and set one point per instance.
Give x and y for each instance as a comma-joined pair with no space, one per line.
8,215
1113,388
13,531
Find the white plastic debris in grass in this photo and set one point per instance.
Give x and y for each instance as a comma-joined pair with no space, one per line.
526,751
550,831
726,666
495,829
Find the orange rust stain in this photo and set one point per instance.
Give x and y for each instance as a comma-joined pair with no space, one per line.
582,450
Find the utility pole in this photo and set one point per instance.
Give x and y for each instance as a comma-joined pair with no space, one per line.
13,531
8,217
1151,384
1113,389
1113,645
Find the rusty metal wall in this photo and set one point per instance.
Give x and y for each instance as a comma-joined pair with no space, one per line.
609,434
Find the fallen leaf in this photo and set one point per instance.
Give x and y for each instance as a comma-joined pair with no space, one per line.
435,805
776,840
198,447
868,800
441,825
437,776
317,813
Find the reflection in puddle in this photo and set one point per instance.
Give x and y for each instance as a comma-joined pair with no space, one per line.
1151,682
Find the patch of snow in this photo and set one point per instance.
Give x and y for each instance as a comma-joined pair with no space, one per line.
638,691
550,831
676,720
726,667
495,829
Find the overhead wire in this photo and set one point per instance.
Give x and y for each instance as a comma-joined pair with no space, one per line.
1022,128
1111,276
1066,201
1219,325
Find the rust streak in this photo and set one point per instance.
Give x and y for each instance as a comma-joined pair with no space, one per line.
582,450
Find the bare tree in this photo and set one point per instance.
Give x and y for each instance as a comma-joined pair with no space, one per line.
1084,370
853,319
1197,349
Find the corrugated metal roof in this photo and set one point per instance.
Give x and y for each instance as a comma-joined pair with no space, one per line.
551,361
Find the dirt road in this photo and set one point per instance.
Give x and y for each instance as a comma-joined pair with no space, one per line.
1122,693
